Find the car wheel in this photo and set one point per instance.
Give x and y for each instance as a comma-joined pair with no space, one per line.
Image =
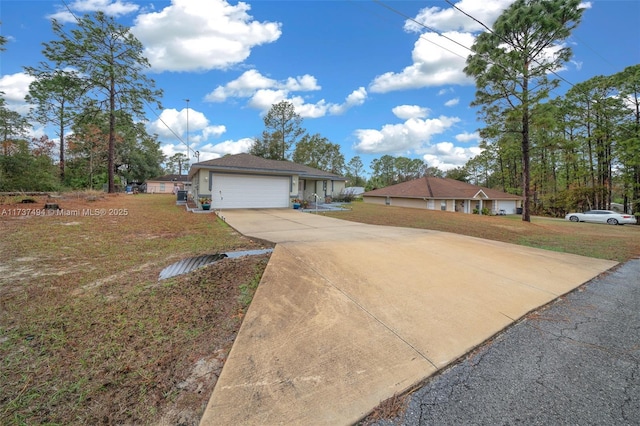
612,221
574,219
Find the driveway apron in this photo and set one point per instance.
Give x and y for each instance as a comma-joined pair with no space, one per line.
347,315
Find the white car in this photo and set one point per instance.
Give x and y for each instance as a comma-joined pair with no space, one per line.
601,216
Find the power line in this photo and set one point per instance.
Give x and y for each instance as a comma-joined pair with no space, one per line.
504,39
429,28
460,44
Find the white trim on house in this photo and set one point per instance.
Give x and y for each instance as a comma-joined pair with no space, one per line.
480,194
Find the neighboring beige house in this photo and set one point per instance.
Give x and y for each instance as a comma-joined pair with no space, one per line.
445,194
166,184
244,181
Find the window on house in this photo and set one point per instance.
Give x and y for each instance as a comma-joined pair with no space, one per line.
162,187
443,205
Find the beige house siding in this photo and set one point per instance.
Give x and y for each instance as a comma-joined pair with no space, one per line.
323,188
450,205
374,200
409,202
200,184
155,187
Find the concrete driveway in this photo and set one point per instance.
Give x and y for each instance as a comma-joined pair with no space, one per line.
347,314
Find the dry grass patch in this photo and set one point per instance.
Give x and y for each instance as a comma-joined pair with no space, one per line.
88,335
619,243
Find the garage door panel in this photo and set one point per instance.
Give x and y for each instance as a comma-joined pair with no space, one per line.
246,191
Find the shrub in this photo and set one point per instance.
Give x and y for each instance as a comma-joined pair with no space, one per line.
344,197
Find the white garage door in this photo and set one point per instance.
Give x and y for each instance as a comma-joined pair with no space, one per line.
244,191
507,205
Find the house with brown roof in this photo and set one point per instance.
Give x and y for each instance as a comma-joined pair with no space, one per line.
167,184
445,194
244,181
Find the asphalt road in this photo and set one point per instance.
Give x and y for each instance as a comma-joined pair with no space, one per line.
573,362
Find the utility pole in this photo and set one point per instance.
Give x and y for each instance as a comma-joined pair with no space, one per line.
187,128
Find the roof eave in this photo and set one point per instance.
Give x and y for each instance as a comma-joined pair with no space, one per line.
278,172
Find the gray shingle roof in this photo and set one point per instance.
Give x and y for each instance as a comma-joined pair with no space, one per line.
438,188
251,164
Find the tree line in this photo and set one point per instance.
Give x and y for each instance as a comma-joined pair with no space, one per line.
584,149
92,89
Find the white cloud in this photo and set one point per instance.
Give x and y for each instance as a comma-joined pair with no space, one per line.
264,92
412,135
196,35
356,98
170,149
307,110
447,156
432,64
251,81
440,53
410,111
200,134
15,88
468,137
452,102
109,7
450,19
211,151
302,84
263,99
200,130
322,107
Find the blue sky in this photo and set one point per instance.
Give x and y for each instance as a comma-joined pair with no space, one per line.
360,74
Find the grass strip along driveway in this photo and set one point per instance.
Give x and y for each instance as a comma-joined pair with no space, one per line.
619,243
88,335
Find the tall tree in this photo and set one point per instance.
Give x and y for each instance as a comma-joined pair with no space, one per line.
282,122
110,60
628,83
459,173
355,171
55,94
410,168
383,171
177,163
13,126
316,151
88,148
267,146
3,41
512,64
28,169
